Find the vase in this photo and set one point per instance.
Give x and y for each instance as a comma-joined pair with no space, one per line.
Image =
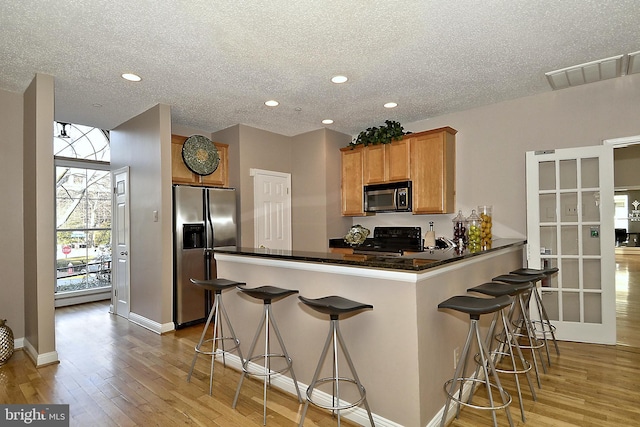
6,342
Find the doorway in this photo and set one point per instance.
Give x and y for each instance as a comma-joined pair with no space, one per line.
627,181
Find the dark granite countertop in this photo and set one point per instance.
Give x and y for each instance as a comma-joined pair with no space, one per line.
414,262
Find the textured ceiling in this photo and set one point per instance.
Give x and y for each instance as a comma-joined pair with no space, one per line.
215,62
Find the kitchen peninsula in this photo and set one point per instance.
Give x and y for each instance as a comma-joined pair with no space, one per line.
403,349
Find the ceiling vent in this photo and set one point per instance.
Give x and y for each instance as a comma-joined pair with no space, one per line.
590,72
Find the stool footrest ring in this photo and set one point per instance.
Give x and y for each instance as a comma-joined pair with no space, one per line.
476,380
246,370
218,350
526,365
338,407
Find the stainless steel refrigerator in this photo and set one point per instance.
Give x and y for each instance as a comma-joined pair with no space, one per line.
203,219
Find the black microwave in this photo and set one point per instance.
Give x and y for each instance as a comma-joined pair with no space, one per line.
391,197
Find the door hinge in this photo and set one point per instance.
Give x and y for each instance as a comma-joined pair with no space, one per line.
537,153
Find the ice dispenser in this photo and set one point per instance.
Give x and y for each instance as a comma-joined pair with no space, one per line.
193,236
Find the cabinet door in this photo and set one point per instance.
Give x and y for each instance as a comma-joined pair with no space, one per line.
398,161
352,181
180,173
375,164
433,172
220,177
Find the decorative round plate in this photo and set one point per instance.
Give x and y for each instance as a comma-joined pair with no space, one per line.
200,155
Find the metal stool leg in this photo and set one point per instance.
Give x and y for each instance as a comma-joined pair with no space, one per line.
334,339
489,372
217,310
546,323
267,321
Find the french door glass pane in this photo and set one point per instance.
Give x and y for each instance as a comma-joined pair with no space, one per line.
570,273
571,306
547,208
568,174
592,274
593,308
569,239
550,301
590,173
590,240
547,176
591,206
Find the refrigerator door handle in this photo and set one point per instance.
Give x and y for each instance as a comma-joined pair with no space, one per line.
207,213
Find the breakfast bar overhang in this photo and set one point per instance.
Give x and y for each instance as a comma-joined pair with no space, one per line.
403,349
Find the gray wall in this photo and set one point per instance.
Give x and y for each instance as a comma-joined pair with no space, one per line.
144,144
492,141
11,213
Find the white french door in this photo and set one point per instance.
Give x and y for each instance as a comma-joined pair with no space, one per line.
272,209
570,225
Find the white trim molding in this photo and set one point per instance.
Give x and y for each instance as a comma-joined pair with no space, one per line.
152,325
40,360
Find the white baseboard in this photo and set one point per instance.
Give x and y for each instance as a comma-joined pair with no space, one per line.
153,326
40,359
358,415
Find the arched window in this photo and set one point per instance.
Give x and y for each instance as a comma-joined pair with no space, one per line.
80,142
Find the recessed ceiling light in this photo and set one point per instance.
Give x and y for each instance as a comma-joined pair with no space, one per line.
390,105
327,122
271,103
131,77
339,79
97,105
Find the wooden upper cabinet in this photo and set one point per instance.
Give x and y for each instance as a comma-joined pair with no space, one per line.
398,161
433,170
181,174
352,181
375,164
386,162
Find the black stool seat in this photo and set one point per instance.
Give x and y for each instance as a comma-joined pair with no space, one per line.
518,278
268,293
475,306
334,305
497,289
217,285
546,271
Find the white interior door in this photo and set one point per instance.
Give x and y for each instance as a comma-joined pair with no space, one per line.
570,216
120,237
272,209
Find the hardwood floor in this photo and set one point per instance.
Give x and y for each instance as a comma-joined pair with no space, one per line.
115,373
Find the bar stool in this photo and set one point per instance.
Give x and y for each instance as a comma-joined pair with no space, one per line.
267,294
525,317
505,337
334,306
545,324
475,307
216,286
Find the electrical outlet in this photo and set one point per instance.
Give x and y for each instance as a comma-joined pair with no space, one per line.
456,355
